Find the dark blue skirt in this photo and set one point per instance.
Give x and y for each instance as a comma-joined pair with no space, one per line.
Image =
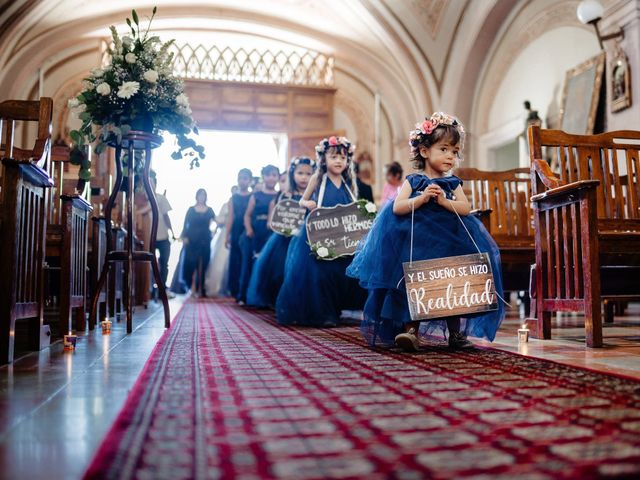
268,273
314,291
377,265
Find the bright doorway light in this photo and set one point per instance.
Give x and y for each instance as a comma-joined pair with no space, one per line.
226,153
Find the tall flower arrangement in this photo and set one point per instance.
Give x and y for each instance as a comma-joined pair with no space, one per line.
136,91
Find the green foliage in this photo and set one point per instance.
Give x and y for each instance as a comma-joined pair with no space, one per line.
137,86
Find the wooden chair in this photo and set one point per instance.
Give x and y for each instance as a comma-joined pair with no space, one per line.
587,225
23,222
501,200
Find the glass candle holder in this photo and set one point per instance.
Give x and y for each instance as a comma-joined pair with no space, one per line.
69,342
523,335
106,326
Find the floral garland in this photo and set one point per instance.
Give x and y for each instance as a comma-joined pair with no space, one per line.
417,136
321,252
367,208
333,141
137,89
305,160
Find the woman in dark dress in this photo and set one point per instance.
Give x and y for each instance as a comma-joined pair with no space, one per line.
196,236
235,228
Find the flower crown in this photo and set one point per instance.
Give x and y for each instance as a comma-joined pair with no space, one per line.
306,160
417,136
334,141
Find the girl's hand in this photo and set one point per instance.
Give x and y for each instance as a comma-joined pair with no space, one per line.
432,191
442,199
250,233
310,204
227,240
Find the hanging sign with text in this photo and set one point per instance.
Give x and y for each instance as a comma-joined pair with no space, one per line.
450,286
287,217
336,232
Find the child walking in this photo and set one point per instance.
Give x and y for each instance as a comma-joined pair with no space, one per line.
392,187
268,271
256,231
433,204
235,228
314,291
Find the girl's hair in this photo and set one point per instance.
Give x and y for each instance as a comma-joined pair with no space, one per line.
293,186
338,145
245,171
439,127
269,169
394,169
201,190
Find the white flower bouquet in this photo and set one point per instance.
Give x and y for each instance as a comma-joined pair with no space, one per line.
137,91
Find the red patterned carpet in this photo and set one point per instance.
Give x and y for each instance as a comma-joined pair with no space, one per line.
229,394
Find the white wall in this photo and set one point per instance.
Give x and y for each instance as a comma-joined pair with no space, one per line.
537,75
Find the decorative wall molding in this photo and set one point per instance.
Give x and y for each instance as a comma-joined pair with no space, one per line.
301,67
305,68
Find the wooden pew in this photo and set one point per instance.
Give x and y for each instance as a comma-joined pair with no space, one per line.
23,222
502,202
67,246
587,236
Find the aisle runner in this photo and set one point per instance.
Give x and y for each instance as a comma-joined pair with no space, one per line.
229,394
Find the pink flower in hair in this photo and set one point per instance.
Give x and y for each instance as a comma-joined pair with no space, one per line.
427,127
333,141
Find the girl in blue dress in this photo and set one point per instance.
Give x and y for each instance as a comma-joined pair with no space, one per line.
235,228
315,291
434,197
268,271
256,231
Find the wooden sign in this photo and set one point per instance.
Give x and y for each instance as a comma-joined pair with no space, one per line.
450,286
287,217
336,232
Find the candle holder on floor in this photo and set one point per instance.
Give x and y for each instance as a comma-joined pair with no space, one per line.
69,342
106,326
523,334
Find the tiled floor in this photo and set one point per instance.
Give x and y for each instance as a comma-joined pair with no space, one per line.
620,354
55,407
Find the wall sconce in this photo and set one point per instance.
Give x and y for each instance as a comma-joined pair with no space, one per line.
590,11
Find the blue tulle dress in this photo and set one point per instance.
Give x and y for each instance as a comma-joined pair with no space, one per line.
268,271
314,291
437,233
240,203
251,247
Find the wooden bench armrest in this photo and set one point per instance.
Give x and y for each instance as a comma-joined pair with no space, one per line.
566,190
546,175
77,201
37,156
481,212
